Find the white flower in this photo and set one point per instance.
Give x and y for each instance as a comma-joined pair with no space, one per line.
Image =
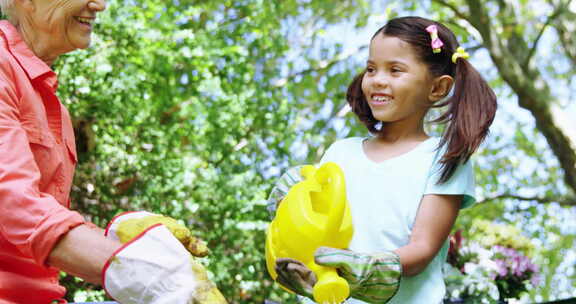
489,265
470,268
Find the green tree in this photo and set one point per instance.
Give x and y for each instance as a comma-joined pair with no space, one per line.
193,108
175,112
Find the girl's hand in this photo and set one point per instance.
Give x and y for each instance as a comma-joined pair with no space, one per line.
373,278
295,276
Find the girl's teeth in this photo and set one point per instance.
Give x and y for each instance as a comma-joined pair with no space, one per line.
381,98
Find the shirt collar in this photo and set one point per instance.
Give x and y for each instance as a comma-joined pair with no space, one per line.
34,67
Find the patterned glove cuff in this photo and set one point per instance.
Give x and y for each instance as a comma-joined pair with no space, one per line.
382,279
290,178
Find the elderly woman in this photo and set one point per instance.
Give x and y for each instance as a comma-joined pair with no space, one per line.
39,235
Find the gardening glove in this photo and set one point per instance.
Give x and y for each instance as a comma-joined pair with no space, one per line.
290,178
295,276
373,278
134,223
154,267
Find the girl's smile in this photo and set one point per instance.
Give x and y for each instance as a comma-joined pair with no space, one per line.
380,99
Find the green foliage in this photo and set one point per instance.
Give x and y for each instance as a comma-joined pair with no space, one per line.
192,109
176,112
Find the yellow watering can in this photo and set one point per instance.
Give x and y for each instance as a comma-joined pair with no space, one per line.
314,213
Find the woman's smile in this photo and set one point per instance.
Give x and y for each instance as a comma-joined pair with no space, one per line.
85,22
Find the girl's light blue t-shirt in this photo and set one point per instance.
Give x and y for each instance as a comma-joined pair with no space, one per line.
384,199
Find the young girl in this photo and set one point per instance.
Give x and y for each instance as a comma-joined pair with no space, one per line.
404,187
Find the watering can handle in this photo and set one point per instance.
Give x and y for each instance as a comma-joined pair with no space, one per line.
331,175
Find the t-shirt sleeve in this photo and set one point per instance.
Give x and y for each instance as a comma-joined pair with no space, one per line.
339,150
328,155
462,182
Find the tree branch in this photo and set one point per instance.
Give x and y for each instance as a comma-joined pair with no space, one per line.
453,8
323,67
549,20
481,21
532,89
563,201
474,48
565,35
548,118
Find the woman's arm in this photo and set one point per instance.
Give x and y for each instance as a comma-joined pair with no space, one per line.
82,252
434,221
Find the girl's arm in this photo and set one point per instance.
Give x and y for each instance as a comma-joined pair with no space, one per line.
434,221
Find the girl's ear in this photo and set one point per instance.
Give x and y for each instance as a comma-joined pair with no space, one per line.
440,87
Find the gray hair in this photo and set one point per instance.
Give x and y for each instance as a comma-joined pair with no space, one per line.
6,8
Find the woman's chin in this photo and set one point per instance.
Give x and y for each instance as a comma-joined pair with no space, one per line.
81,43
83,46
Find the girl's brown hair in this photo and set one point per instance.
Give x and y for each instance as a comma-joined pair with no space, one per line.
471,108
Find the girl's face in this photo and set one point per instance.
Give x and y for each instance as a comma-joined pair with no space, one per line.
396,83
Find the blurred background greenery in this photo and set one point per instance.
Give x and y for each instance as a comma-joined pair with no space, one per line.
193,108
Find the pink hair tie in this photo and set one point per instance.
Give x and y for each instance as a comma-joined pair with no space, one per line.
436,42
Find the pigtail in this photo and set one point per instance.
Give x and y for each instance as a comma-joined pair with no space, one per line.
471,110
